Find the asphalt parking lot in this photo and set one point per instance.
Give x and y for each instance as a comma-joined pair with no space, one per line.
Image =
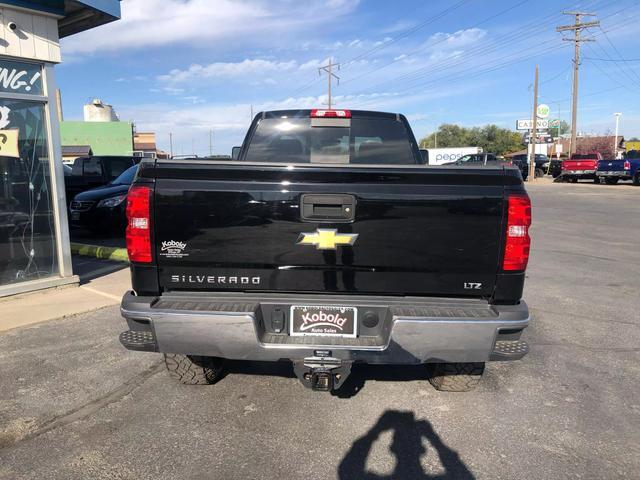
74,404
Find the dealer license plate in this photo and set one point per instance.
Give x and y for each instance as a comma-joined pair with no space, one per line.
323,320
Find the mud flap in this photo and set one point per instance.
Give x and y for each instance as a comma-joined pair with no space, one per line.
322,373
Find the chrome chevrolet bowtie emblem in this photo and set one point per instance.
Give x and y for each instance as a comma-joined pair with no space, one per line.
327,239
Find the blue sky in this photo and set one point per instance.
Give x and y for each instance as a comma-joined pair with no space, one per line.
191,66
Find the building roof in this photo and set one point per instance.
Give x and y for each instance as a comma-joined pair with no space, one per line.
79,150
74,16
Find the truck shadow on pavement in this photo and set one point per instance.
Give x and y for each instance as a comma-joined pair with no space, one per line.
360,374
407,447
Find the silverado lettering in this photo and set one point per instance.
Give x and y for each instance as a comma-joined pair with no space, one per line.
212,279
435,277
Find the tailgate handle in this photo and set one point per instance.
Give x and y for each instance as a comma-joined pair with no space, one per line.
328,208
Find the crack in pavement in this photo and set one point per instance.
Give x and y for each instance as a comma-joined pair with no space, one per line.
90,408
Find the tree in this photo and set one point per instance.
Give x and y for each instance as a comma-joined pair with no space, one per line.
447,135
491,138
557,131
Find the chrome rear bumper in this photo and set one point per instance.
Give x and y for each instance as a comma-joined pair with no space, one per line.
412,330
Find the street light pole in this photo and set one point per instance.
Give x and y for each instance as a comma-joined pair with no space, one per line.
615,145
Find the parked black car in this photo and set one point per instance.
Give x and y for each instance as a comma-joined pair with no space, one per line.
103,208
555,167
95,171
522,162
478,159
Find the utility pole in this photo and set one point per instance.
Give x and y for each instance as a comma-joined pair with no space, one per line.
171,144
330,75
534,130
615,145
576,28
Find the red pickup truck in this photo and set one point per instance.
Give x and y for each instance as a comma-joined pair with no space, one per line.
581,165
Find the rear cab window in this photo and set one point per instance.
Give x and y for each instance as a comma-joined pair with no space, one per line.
360,139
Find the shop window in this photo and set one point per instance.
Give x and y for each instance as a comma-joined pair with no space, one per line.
27,233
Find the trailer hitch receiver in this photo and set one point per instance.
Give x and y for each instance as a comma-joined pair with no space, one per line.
322,374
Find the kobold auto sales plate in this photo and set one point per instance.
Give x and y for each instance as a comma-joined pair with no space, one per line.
323,320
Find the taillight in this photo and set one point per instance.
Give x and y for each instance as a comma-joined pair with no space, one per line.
317,113
627,165
139,224
517,240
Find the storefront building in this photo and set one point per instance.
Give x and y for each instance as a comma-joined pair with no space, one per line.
34,235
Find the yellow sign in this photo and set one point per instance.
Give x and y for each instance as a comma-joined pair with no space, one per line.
327,239
628,146
9,143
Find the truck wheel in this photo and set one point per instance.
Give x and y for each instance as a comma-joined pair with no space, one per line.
573,179
611,181
193,369
539,173
636,179
455,377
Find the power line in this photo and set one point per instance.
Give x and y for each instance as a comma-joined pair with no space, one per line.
619,54
613,59
474,70
420,49
451,78
479,51
514,36
406,33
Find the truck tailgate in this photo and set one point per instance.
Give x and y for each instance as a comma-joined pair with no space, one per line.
236,227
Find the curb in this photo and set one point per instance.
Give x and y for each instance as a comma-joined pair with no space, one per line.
106,253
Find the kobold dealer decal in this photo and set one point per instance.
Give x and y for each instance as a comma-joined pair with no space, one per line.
173,249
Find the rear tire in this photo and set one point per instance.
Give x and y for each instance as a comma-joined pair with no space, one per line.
611,181
539,173
573,180
636,179
455,377
194,369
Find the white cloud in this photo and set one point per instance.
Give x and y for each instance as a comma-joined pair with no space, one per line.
380,42
458,39
247,69
156,23
313,64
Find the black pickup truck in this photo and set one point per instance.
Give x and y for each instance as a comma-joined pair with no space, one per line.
325,243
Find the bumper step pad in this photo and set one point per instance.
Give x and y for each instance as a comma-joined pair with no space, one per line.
509,350
138,340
